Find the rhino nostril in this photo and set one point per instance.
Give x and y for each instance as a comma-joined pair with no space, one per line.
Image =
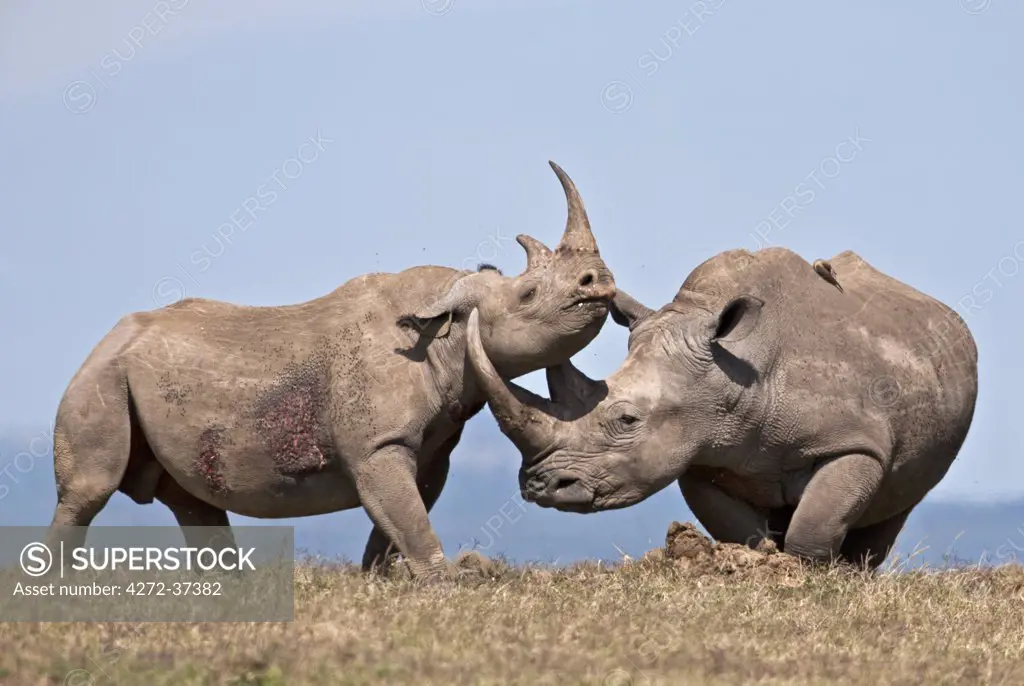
588,278
564,482
534,486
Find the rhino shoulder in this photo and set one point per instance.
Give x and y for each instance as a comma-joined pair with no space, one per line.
716,275
733,271
384,292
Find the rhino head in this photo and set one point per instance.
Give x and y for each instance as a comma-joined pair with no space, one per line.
687,390
545,315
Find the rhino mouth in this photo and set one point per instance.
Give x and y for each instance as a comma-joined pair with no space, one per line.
574,508
589,304
562,492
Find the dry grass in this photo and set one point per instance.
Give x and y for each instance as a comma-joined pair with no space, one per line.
718,615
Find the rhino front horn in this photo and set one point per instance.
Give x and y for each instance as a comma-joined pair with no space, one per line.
577,236
519,419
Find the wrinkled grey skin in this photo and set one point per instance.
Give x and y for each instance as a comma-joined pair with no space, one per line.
354,398
781,404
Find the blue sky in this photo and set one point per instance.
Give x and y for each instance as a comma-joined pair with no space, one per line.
131,136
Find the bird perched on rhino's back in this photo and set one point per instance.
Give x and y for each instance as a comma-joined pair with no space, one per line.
827,271
354,398
782,405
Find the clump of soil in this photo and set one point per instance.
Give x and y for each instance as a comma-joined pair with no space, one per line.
474,564
689,549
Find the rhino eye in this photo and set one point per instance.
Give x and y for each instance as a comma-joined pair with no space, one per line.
528,294
623,419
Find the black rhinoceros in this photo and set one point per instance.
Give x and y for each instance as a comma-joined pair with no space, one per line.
815,404
354,398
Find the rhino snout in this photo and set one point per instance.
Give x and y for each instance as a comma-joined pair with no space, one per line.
597,286
530,488
594,287
561,490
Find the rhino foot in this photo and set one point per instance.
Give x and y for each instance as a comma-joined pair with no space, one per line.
468,565
443,574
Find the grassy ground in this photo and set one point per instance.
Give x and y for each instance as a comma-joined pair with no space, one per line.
715,615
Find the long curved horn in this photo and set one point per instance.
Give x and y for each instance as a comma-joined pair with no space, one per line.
536,252
526,426
577,236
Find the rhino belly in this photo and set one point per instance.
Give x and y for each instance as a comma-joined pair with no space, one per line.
270,463
235,471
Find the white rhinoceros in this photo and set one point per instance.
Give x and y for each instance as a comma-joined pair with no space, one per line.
815,404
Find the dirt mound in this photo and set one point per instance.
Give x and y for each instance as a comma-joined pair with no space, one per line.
473,563
691,550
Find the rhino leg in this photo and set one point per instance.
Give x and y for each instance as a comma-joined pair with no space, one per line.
870,545
834,499
91,448
191,512
386,483
430,482
726,518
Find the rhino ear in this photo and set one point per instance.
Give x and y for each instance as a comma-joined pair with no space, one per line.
626,311
462,297
737,319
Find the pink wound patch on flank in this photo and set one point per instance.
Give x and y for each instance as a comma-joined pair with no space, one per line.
209,463
290,424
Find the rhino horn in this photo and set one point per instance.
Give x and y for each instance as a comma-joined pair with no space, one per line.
518,411
577,236
570,387
627,311
537,253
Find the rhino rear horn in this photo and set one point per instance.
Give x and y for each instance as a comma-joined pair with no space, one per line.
537,253
571,388
627,311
